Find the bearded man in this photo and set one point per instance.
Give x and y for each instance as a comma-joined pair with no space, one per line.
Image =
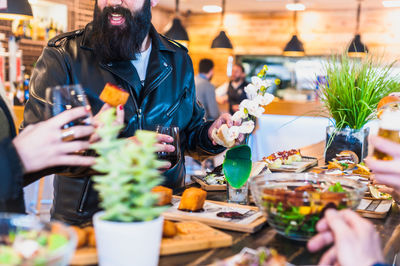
122,47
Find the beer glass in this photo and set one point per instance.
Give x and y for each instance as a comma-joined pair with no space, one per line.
389,127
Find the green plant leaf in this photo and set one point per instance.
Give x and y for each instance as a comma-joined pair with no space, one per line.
237,165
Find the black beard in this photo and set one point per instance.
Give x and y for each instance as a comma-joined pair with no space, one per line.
119,43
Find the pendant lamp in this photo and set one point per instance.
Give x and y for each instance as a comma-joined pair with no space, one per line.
15,9
222,40
294,47
177,32
356,47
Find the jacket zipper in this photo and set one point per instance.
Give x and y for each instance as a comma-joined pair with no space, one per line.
176,106
84,194
160,80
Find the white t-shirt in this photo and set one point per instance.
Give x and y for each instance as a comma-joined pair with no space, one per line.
141,63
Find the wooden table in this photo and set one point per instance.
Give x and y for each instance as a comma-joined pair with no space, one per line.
295,252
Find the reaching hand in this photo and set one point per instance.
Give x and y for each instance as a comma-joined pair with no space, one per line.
118,121
162,146
44,144
386,172
224,119
355,240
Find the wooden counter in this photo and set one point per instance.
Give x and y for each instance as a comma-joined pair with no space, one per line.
296,108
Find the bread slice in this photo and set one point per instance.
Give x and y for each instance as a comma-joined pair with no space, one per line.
221,136
362,170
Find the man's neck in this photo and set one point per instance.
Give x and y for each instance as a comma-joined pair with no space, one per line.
146,43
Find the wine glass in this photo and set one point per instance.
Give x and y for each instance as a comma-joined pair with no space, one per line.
172,157
65,97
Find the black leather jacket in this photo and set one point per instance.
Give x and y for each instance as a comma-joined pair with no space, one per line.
168,98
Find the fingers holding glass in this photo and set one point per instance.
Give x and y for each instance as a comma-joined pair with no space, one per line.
168,144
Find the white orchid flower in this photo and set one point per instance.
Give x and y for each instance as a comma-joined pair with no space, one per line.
259,83
252,107
246,127
239,115
264,100
251,91
256,81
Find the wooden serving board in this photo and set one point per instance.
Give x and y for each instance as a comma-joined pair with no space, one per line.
192,236
197,236
297,167
253,219
374,208
85,256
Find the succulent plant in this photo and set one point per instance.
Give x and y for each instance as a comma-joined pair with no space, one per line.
129,171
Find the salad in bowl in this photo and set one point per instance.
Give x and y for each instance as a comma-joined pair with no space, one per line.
294,203
25,240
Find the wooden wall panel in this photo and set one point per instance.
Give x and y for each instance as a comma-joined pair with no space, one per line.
322,33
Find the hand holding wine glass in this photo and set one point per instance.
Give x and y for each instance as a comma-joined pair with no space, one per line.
66,97
169,144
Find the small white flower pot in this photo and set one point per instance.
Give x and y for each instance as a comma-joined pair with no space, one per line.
122,244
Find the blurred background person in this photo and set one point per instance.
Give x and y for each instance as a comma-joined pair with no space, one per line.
233,92
205,90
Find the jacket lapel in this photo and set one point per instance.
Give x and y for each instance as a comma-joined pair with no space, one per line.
125,71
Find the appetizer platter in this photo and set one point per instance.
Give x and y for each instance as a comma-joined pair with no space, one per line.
374,208
290,161
346,163
215,180
192,206
250,257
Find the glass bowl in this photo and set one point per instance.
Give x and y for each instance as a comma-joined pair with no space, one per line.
25,240
294,203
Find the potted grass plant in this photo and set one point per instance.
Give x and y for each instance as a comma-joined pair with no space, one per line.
129,230
351,95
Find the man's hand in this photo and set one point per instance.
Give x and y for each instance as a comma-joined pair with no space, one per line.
386,172
223,119
355,240
162,146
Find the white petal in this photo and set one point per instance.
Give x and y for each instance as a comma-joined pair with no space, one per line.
247,127
239,115
251,91
256,81
233,132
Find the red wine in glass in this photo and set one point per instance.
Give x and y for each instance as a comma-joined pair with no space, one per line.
172,157
65,97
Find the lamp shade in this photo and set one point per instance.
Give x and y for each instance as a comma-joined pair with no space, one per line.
17,9
357,48
177,32
294,47
222,41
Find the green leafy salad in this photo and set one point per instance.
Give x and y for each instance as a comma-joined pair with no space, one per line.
295,212
30,247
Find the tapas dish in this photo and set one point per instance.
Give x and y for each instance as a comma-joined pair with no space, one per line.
294,203
289,161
